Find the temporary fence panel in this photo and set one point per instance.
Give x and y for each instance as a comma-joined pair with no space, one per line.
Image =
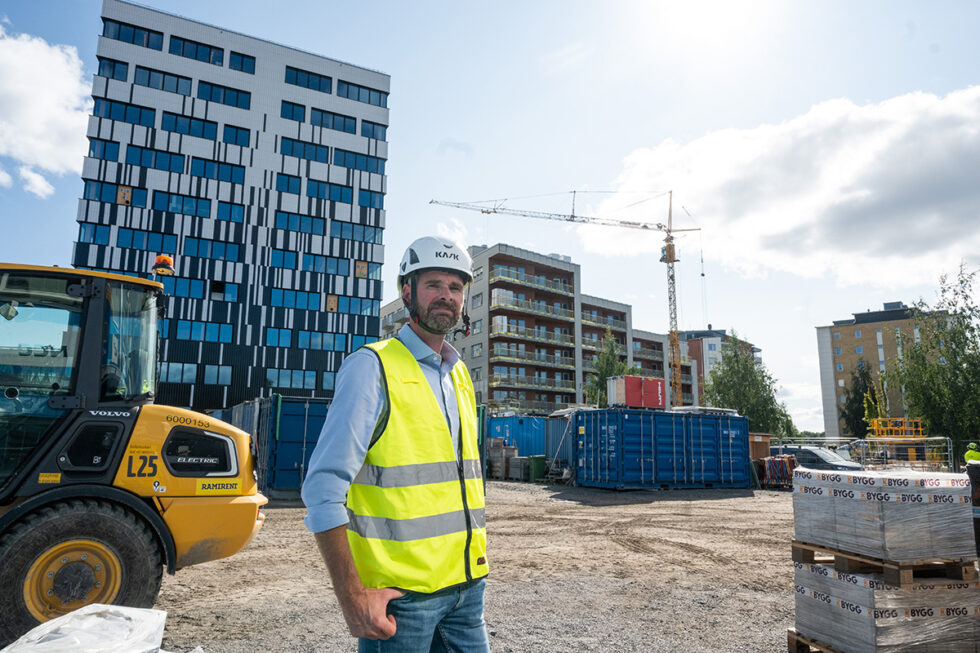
622,448
524,432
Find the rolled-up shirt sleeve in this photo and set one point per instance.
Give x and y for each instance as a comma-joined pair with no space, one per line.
353,415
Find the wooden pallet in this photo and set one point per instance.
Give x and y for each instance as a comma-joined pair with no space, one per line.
898,574
797,643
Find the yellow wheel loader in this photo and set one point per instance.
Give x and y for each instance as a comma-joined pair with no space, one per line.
99,488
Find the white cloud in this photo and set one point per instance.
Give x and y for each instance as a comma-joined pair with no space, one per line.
456,232
44,107
35,183
572,55
883,193
5,180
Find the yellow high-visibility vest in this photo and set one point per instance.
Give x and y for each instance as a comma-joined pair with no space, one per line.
971,454
416,515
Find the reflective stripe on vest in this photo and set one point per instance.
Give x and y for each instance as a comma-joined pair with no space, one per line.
416,515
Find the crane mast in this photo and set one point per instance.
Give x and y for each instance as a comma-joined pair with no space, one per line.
667,256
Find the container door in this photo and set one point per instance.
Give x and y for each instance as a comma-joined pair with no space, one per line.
705,449
638,448
734,451
300,423
670,441
598,439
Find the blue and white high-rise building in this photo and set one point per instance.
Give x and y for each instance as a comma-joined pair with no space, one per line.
261,169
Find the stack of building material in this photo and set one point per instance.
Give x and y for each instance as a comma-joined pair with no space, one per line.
897,515
517,468
895,528
498,456
859,613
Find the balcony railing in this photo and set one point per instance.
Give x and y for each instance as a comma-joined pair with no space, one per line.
648,353
687,397
687,378
528,405
514,354
588,343
518,381
531,334
604,321
532,281
536,308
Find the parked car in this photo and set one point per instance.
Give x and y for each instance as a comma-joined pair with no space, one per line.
814,457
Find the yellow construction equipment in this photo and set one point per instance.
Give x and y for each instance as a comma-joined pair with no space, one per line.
667,255
99,488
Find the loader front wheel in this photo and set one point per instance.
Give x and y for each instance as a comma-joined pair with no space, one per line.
71,554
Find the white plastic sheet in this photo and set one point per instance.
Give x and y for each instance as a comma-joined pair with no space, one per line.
96,628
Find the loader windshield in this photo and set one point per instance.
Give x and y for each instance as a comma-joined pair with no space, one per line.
129,351
40,328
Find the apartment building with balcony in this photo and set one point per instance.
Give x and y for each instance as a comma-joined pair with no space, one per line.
705,347
867,340
535,336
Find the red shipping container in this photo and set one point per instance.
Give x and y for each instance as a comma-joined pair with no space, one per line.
654,394
624,391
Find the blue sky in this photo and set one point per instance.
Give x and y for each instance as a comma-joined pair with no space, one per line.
827,150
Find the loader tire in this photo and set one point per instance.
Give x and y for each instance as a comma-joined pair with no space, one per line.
71,554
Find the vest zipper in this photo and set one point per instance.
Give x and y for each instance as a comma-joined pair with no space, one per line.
466,510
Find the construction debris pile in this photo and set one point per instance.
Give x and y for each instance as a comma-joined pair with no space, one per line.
885,561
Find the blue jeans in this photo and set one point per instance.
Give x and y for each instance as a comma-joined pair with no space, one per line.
450,620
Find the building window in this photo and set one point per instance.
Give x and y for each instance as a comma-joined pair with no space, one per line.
217,170
712,346
222,291
327,264
362,94
113,69
311,151
374,130
476,301
236,135
178,372
294,299
476,373
857,333
199,51
860,365
358,232
100,149
357,161
123,112
287,183
328,380
477,326
330,120
203,331
127,33
840,367
837,351
162,81
148,240
476,351
114,194
321,341
173,122
296,379
183,287
293,111
156,159
353,305
842,399
360,269
281,258
278,338
327,191
836,335
371,199
302,223
307,79
94,234
231,212
477,273
840,383
231,97
242,62
211,249
859,349
217,374
199,206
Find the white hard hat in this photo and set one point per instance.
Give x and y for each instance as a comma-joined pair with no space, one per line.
434,253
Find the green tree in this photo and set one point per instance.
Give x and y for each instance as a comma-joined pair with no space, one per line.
739,381
940,370
852,411
608,364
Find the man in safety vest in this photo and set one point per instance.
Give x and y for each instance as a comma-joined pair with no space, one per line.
971,453
394,491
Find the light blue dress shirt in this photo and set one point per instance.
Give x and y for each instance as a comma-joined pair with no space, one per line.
358,402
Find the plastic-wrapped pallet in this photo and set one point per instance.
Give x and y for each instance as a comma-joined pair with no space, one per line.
900,516
859,613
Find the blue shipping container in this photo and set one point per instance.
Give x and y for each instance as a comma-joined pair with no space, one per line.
524,432
622,448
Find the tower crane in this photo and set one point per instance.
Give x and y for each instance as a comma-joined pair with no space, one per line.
667,255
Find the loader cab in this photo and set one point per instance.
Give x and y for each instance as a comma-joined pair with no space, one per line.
70,340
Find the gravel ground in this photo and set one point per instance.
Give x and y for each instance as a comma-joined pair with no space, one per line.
571,569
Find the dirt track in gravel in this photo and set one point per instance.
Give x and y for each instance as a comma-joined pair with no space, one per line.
572,569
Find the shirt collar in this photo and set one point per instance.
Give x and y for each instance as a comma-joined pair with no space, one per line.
421,351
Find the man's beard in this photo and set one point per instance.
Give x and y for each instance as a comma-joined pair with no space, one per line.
439,322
